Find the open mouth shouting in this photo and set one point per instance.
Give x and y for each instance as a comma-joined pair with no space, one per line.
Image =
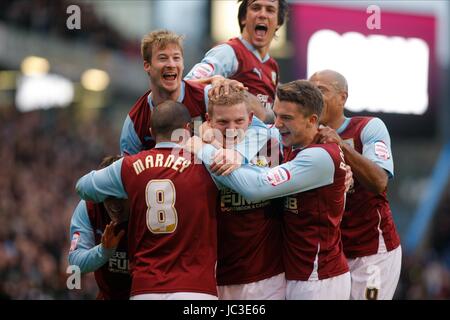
261,31
233,136
169,76
285,135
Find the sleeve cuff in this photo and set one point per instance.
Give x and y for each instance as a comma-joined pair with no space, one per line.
105,253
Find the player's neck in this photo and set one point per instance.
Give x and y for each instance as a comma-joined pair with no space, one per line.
309,139
337,122
162,139
263,51
159,95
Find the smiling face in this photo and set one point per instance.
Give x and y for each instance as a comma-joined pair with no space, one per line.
297,107
231,120
261,22
165,68
296,129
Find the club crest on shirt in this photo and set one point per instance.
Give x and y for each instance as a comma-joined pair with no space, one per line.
260,161
382,151
274,77
74,242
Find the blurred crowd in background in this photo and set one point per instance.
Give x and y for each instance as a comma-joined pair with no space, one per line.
49,17
42,155
426,274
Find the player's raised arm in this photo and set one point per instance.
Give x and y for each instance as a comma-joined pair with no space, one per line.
97,185
83,251
365,168
257,183
375,165
262,113
220,60
129,140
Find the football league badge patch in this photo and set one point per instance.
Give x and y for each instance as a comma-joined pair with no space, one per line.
382,151
74,242
203,71
277,176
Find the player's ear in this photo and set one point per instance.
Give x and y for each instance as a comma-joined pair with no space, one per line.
313,121
188,130
207,117
243,22
250,117
147,66
344,96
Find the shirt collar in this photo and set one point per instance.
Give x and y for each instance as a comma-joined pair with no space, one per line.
167,144
343,126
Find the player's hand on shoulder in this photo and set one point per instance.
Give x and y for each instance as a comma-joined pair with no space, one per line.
226,161
328,135
110,240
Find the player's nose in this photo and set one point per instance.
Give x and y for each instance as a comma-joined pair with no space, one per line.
231,131
262,13
171,63
278,123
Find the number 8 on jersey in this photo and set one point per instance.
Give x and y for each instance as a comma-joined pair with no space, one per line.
161,213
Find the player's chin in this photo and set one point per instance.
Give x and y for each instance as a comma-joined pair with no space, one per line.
262,41
286,140
259,42
170,86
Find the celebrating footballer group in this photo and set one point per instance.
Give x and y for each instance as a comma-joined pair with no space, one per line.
278,195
